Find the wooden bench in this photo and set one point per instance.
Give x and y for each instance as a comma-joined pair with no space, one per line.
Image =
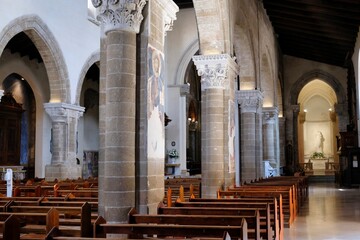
276,219
77,220
55,234
171,230
283,196
216,220
34,225
10,228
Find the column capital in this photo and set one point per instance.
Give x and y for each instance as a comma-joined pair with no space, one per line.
269,115
170,10
295,108
215,70
60,112
125,15
250,100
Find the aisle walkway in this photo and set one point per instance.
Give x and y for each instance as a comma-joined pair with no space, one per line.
330,214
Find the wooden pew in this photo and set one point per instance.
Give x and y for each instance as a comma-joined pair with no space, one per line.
76,219
10,228
34,225
216,220
269,222
275,212
55,234
172,230
283,197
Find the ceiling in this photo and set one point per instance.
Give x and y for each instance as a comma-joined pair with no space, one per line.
319,30
23,45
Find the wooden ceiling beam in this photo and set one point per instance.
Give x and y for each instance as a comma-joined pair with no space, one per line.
315,18
350,6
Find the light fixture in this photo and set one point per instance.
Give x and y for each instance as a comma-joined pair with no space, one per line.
305,110
193,124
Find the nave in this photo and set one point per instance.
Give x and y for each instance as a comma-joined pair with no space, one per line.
330,213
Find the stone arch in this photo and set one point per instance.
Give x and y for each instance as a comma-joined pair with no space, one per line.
267,81
184,62
244,52
93,59
49,49
319,74
214,38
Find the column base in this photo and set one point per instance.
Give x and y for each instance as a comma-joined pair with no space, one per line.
62,171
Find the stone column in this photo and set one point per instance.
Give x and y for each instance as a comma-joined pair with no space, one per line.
1,94
121,21
270,140
295,110
63,145
282,143
218,74
250,103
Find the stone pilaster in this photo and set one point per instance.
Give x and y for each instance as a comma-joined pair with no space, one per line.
218,73
270,140
64,119
250,103
121,21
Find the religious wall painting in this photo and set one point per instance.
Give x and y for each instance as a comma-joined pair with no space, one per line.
90,164
231,136
155,103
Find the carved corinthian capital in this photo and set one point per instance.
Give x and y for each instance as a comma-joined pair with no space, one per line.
120,14
215,70
61,112
250,100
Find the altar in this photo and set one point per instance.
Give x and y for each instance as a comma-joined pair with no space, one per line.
319,165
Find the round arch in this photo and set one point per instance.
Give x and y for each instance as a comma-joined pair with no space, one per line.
49,50
317,74
93,59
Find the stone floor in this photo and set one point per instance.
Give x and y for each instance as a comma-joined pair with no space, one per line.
330,213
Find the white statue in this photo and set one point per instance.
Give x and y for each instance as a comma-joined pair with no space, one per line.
321,142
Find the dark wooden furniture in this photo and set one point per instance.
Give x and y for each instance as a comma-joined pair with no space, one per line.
10,130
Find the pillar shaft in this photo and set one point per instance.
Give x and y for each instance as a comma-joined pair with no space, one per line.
218,74
63,145
250,102
121,22
271,141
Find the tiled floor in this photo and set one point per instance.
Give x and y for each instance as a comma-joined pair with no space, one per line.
330,213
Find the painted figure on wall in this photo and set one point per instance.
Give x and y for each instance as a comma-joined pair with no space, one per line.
155,113
231,134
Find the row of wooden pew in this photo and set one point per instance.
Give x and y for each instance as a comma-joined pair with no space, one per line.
257,210
68,208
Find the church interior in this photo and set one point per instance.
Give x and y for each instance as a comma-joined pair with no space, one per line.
127,100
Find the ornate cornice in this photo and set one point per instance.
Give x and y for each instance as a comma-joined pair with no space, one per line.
61,112
215,70
250,100
123,15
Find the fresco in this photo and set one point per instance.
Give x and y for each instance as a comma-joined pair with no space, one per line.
155,103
